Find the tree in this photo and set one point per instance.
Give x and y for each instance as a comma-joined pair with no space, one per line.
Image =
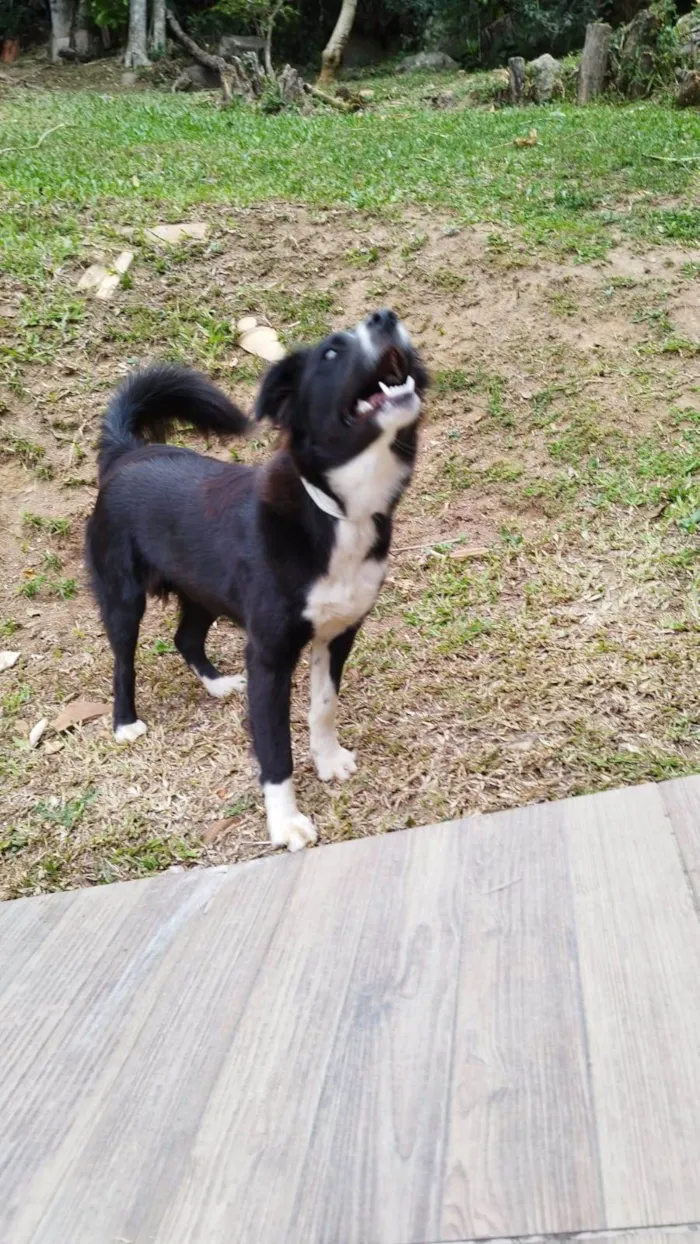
332,54
61,25
136,53
156,42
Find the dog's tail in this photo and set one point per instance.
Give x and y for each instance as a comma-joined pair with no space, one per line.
150,400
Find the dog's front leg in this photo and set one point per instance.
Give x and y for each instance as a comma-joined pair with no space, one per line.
327,661
269,695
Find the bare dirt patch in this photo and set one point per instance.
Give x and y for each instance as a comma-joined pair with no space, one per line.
538,634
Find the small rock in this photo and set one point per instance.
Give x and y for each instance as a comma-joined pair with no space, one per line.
53,746
545,73
196,230
426,61
8,659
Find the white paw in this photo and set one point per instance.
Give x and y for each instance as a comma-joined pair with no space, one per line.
131,732
336,763
293,832
226,685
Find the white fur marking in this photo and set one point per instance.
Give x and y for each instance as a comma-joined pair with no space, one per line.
331,760
131,732
285,823
224,685
367,485
364,337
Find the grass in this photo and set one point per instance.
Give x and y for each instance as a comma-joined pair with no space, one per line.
376,162
537,634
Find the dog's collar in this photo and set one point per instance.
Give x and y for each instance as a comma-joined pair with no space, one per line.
322,500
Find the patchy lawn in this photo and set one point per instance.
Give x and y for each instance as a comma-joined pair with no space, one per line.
538,636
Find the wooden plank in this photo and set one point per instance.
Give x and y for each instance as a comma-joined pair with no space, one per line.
61,1021
681,800
136,1118
373,1168
24,924
250,1148
521,1154
686,1233
639,949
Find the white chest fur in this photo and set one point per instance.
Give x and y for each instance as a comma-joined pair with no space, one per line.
350,586
347,591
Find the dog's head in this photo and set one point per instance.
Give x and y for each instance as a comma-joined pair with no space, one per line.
336,398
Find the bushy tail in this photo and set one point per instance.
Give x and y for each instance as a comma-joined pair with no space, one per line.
150,400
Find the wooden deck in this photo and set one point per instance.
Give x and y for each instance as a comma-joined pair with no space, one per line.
489,1028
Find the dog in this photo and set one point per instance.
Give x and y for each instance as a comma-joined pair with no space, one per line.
294,551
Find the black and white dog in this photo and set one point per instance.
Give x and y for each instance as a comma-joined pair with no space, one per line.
294,551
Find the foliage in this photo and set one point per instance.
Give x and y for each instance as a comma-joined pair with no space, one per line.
112,14
645,52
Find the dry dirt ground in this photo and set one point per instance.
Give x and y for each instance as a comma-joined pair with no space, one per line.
537,636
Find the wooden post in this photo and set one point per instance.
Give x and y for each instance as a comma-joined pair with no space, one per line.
516,74
594,61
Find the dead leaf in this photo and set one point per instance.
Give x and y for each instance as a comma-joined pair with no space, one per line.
530,141
77,713
215,829
93,276
8,659
53,746
260,340
196,230
36,731
463,553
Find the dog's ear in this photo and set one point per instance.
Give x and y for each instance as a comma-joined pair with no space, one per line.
279,389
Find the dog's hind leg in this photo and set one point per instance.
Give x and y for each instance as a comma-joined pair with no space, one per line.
190,639
327,661
269,695
122,617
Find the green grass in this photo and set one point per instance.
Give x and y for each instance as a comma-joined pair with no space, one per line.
169,155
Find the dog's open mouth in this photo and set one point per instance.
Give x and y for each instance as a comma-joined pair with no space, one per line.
390,385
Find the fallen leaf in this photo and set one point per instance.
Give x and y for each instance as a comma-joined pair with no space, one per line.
260,340
78,712
248,322
93,276
36,731
195,229
530,141
8,659
53,746
463,553
215,829
123,262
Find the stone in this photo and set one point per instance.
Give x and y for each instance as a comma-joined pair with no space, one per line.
129,79
688,36
545,75
429,61
172,234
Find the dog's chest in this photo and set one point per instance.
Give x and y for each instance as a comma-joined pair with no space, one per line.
350,586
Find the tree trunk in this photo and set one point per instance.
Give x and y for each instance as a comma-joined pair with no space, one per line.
136,51
61,25
594,62
516,74
157,39
86,38
332,54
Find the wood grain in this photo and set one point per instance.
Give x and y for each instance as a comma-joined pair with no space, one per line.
373,1169
250,1147
61,1021
521,1154
681,801
639,949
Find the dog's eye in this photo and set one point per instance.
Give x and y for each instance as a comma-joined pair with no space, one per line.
331,354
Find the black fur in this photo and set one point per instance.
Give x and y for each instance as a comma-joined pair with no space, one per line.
243,542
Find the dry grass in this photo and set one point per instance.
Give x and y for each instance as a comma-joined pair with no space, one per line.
538,636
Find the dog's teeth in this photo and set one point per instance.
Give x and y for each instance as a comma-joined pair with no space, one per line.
386,390
363,408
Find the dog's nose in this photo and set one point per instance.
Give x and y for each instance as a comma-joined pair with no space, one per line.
383,321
